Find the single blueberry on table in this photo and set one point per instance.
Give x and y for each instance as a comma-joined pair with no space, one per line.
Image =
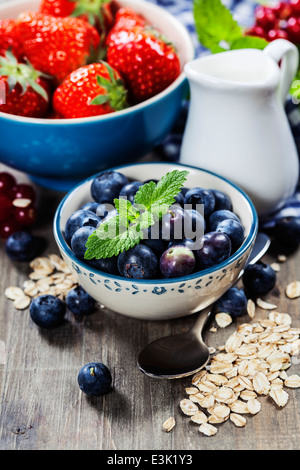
94,379
233,302
139,262
80,302
287,230
234,230
90,206
107,265
259,279
47,311
107,186
129,190
218,216
79,239
21,246
216,248
176,261
199,196
222,200
80,219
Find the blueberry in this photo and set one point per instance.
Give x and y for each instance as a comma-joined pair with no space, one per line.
216,249
138,263
94,379
176,261
222,200
80,302
107,186
234,230
107,265
106,211
195,225
47,311
21,246
129,190
200,196
173,223
187,242
179,199
259,279
90,206
287,230
79,239
150,180
218,216
153,239
80,219
233,302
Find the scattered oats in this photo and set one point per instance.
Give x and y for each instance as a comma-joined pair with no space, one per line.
279,395
213,329
265,305
238,420
207,402
198,398
281,258
221,411
251,308
233,342
217,379
223,394
169,424
220,367
283,375
198,376
293,290
206,386
59,264
239,406
191,390
208,430
247,395
213,419
199,418
13,293
254,406
188,407
223,319
275,267
22,202
261,384
211,350
293,381
22,302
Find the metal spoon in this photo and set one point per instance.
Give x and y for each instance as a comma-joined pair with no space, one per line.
184,354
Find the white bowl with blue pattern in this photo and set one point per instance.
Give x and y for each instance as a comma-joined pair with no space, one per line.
159,299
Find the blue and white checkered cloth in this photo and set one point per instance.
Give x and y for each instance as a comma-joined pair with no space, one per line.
243,12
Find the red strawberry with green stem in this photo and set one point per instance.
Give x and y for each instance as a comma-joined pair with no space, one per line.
57,46
92,90
126,19
99,13
146,60
27,90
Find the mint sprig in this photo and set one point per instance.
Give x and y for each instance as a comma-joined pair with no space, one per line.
127,228
218,31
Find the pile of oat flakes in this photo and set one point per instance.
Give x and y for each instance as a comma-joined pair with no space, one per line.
49,275
253,363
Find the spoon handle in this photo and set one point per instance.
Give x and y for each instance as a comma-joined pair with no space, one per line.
199,324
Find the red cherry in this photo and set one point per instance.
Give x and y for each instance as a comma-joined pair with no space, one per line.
9,227
282,10
295,7
265,17
25,191
293,29
277,34
7,181
257,31
25,215
5,208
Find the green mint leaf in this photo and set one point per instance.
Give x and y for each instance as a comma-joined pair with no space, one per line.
249,42
214,23
125,230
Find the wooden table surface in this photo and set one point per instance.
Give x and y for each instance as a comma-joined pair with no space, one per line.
42,407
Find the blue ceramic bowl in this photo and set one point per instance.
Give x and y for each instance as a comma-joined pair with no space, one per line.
159,299
59,153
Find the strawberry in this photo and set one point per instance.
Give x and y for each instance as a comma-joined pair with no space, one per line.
9,38
126,19
26,89
57,46
92,90
97,12
147,62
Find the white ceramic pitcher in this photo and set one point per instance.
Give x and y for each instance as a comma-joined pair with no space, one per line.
237,125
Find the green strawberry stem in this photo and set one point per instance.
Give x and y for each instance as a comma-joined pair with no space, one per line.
23,74
116,93
91,8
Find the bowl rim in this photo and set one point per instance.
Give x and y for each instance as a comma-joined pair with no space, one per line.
62,244
190,49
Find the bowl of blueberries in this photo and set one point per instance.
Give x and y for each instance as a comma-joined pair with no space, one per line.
156,241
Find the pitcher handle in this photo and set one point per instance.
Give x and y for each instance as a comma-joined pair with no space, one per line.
286,52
